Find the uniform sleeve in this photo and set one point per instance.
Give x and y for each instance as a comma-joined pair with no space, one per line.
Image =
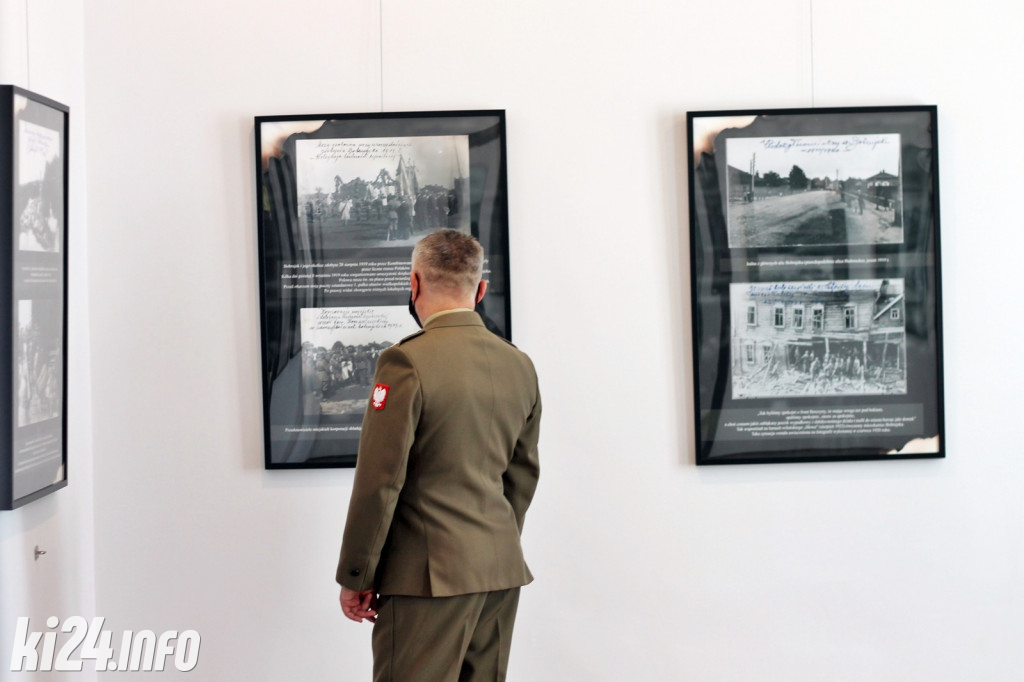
389,427
523,471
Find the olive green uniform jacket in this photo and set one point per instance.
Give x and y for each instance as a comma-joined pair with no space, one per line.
447,465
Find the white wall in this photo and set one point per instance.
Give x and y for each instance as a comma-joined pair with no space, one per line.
41,49
648,568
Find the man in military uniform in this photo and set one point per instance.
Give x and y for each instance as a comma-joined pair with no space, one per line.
447,467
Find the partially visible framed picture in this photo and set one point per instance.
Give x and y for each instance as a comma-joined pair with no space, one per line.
817,321
33,296
342,200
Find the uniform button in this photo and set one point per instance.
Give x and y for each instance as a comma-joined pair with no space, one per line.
354,572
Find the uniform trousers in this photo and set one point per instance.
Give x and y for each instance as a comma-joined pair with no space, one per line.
465,638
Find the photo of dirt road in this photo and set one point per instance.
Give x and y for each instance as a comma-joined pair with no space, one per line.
814,190
813,217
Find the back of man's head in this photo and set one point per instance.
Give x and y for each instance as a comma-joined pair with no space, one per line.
449,260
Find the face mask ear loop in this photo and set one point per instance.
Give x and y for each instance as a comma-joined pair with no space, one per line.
412,310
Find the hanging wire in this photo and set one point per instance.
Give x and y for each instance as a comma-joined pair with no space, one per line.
811,7
380,9
28,63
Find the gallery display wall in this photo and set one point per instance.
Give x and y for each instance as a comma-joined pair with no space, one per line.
647,567
41,47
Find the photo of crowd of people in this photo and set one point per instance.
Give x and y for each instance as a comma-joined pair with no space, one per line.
340,347
38,362
382,191
336,380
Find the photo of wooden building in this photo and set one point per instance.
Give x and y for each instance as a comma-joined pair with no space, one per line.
818,338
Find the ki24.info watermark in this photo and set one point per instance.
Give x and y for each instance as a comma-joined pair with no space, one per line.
142,651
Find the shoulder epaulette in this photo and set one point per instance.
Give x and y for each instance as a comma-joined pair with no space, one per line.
411,336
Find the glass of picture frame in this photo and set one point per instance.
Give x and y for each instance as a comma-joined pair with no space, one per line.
33,296
342,200
815,278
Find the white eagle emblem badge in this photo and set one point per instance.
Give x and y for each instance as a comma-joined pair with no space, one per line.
380,396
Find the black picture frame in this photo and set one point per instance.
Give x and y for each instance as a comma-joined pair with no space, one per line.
816,284
33,296
341,201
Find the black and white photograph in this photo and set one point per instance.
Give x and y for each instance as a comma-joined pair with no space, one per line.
340,347
38,361
373,192
342,200
814,190
34,166
814,271
815,339
39,190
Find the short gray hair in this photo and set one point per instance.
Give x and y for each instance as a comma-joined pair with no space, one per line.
449,259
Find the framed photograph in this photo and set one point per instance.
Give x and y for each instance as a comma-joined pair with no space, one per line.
33,296
342,200
814,260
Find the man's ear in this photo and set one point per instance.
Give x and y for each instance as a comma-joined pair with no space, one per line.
414,284
481,289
